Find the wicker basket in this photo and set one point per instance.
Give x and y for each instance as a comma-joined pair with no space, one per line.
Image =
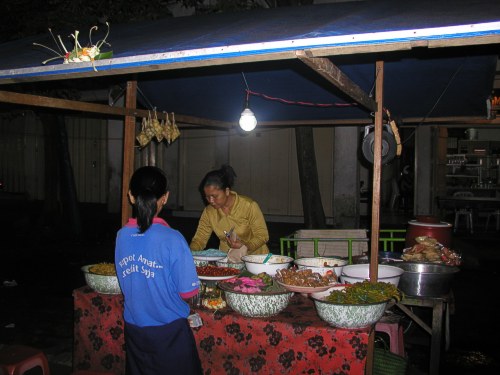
387,363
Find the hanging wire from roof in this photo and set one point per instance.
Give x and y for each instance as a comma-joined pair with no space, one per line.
308,104
286,101
452,78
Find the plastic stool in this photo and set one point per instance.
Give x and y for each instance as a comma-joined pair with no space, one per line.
467,214
495,215
391,326
17,359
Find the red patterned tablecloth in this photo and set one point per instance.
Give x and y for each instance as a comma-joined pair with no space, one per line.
294,342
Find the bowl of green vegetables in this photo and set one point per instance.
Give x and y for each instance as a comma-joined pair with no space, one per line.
354,306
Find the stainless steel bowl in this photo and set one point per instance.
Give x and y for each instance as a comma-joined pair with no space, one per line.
426,279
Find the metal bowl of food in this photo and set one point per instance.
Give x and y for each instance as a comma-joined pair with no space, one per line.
258,304
347,316
322,265
102,278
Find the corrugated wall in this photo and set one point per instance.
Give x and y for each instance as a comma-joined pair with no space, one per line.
22,156
265,162
87,142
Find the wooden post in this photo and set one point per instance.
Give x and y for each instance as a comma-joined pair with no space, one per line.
377,172
128,148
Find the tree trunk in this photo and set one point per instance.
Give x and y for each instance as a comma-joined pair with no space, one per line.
314,215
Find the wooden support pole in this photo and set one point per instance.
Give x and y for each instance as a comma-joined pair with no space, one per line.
128,148
377,172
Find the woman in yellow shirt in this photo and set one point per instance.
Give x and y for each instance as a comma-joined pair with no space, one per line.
237,220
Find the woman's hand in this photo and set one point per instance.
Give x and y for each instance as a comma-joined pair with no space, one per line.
234,255
234,241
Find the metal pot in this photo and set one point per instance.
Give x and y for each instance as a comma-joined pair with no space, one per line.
426,279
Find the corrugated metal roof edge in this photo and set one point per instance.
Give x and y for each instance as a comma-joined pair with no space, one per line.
115,65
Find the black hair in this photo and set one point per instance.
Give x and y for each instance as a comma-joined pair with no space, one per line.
147,185
222,178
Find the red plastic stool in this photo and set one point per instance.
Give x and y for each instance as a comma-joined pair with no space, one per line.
391,326
17,359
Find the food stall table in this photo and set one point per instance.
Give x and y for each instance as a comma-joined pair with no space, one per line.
440,306
295,341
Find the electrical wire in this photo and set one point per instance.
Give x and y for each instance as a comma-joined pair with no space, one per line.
285,101
437,100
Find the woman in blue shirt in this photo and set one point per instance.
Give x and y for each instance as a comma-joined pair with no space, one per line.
157,274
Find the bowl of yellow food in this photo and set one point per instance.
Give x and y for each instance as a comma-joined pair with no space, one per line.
102,278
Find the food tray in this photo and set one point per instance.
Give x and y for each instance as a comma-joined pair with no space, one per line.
305,289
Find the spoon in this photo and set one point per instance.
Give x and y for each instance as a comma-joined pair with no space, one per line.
267,258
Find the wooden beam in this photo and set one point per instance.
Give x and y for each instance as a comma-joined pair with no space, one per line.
128,148
139,64
465,121
74,105
71,105
325,68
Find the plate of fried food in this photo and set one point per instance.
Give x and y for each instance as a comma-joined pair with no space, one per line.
429,250
215,273
305,281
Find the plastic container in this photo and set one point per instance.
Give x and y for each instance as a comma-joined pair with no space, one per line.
428,226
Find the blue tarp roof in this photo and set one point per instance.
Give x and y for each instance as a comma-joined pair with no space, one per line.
194,65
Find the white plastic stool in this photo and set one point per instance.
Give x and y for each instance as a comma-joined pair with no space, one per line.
467,214
496,216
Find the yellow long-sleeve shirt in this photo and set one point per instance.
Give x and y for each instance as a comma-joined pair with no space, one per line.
247,220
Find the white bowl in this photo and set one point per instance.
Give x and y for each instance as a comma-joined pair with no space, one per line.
322,265
350,316
101,283
255,265
356,273
225,263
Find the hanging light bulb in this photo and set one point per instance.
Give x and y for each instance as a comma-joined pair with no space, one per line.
248,122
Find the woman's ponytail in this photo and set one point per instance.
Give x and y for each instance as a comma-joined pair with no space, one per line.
147,186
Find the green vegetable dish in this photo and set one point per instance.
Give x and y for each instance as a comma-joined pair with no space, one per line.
365,292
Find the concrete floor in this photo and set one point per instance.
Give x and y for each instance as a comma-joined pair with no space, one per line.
37,310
